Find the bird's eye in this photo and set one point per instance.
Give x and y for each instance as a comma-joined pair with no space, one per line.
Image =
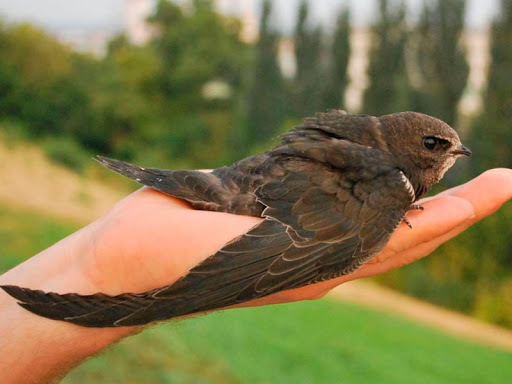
430,142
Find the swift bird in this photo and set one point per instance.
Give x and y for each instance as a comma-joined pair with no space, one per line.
331,194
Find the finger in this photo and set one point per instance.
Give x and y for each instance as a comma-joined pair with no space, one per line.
439,217
425,249
410,255
487,192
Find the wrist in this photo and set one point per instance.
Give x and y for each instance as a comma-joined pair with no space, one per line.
54,346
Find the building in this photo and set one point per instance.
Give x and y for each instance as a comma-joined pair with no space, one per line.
139,31
94,42
136,27
246,11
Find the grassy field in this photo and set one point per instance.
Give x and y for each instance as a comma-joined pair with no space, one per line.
312,342
24,234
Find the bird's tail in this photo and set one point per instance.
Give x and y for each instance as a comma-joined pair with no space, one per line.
98,310
163,180
202,190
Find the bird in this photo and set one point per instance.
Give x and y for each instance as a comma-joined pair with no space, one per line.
330,193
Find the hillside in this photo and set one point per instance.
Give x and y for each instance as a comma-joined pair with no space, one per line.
30,180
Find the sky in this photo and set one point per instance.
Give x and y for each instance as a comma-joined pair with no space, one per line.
108,15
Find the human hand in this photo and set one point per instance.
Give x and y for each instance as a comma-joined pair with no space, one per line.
150,240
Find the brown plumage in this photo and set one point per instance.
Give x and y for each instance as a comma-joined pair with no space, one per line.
331,193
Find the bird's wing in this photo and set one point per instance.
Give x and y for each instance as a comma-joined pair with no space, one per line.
319,225
231,189
361,129
210,191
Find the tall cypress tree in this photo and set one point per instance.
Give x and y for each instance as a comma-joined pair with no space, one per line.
441,59
266,106
389,86
491,135
301,41
307,91
336,79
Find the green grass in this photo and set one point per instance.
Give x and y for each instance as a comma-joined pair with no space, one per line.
311,342
23,234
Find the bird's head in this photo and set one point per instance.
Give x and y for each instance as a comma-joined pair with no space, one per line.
425,147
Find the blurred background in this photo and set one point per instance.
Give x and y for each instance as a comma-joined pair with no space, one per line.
202,83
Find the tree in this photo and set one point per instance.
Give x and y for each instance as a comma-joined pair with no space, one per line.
160,102
194,48
441,59
198,51
41,88
389,89
307,89
490,139
336,80
266,100
491,135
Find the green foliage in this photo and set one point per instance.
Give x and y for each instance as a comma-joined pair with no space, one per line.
195,96
194,48
487,247
67,152
201,62
48,59
266,105
321,74
310,342
440,59
39,82
307,89
491,134
24,234
13,132
336,80
138,99
389,90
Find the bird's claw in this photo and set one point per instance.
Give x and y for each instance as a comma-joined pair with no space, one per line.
406,221
417,207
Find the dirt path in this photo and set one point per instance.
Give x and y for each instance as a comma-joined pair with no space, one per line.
29,180
377,297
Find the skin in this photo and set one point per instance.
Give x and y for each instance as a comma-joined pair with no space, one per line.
149,240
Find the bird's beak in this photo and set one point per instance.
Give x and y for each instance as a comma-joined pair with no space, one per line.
462,151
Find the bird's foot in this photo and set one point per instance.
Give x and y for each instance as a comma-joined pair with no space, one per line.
415,207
